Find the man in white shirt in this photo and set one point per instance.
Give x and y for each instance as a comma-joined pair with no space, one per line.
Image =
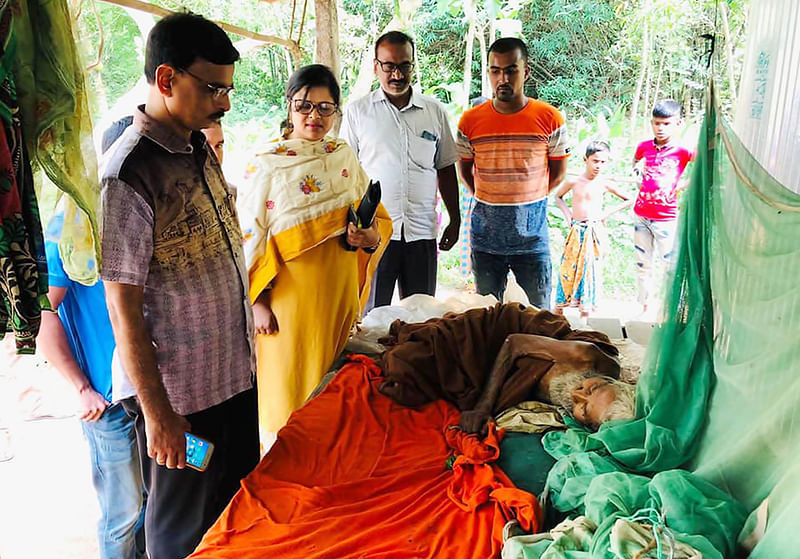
403,139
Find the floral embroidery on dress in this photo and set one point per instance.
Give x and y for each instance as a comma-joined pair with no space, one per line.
279,149
270,205
310,184
330,146
345,174
249,170
291,152
247,235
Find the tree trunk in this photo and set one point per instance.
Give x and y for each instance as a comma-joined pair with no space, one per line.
327,34
469,15
657,90
365,72
726,31
642,70
646,90
486,87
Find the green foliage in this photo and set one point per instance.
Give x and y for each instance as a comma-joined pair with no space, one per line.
440,49
260,86
121,62
585,58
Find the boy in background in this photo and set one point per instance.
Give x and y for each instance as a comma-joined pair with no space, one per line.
660,162
580,263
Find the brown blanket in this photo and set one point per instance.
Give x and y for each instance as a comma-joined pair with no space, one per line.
451,357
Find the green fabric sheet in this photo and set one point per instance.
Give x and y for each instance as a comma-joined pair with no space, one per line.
524,460
717,400
57,126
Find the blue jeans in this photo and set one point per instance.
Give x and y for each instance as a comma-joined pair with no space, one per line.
117,479
532,272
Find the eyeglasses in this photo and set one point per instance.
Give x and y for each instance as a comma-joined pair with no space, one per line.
389,67
306,107
216,91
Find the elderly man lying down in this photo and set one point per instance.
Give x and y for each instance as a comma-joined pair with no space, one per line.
581,380
487,360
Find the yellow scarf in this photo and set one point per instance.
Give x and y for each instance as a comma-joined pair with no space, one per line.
295,196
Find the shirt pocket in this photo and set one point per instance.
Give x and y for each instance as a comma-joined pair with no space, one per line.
421,152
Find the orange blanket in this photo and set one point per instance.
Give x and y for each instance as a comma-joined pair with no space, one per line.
354,474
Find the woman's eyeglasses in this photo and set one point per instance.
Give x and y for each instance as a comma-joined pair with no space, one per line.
306,107
389,67
215,90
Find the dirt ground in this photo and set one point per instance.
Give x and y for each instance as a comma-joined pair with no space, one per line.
48,507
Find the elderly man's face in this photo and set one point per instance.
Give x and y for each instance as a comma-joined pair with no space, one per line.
591,399
587,397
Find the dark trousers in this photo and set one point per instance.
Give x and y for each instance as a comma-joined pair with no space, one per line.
410,264
183,504
532,272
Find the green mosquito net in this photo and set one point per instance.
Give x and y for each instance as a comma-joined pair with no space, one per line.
714,454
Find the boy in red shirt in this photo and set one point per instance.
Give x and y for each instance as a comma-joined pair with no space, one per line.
661,162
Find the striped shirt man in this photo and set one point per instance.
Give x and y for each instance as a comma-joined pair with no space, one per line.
510,155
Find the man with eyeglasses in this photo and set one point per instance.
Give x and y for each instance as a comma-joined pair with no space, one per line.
513,152
173,264
403,139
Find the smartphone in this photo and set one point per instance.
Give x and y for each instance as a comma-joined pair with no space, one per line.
198,452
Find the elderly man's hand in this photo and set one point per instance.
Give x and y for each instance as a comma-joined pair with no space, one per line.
476,422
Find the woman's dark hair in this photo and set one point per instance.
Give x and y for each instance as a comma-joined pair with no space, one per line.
180,39
313,75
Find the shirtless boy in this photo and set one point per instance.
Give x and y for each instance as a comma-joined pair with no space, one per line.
580,263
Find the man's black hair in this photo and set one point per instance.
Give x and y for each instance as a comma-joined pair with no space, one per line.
597,146
313,75
509,44
180,39
395,38
113,132
665,108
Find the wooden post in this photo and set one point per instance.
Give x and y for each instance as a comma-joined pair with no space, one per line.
292,46
327,34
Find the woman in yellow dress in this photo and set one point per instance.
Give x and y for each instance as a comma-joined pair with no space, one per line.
306,288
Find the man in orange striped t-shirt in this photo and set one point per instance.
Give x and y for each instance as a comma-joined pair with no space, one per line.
513,153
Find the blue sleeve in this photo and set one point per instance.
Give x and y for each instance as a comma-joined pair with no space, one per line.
56,275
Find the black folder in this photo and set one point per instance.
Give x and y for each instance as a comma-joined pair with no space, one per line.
365,215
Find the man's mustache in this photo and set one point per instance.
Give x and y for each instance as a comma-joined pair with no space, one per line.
397,82
217,115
